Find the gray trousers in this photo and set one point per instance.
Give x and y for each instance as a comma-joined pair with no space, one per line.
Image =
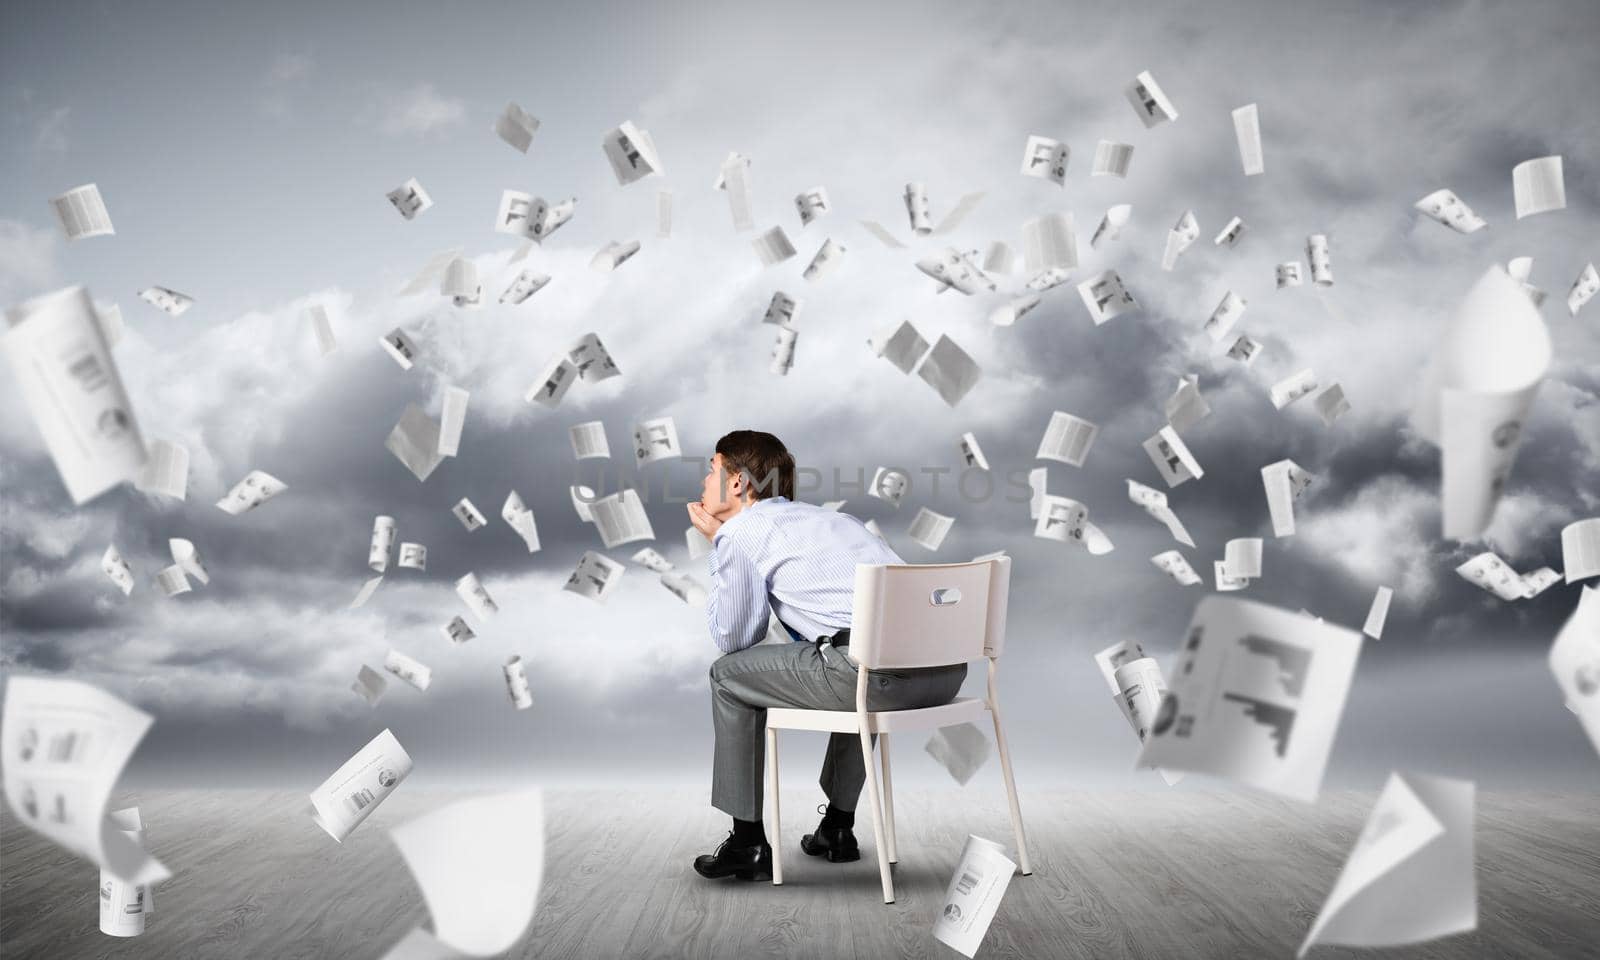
745,684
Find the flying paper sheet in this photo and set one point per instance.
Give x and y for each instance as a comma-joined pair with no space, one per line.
1154,503
124,906
1330,403
1256,697
1538,582
170,302
187,558
595,576
1287,274
773,247
960,749
1476,395
1067,439
1049,279
430,272
685,588
415,442
1111,159
1575,661
1047,242
1538,187
66,744
1105,297
1580,549
1245,350
473,593
655,440
1411,875
782,310
1242,557
348,797
468,514
882,233
928,529
318,315
407,669
383,537
590,359
696,543
1292,388
1229,309
1007,314
479,864
458,631
516,514
949,370
413,556
651,558
889,484
517,684
1247,130
1186,407
1172,457
1583,289
1445,207
959,213
1046,159
553,383
741,199
1139,689
410,199
825,261
1231,232
1111,224
1378,613
589,440
369,685
955,271
1067,521
256,488
521,215
1149,102
524,286
1114,656
1174,565
1521,270
398,345
974,894
82,212
811,205
1488,571
620,518
613,255
368,588
70,383
631,153
916,198
1318,257
783,351
663,214
1180,238
972,453
460,283
1225,581
121,574
516,126
1284,481
581,498
172,580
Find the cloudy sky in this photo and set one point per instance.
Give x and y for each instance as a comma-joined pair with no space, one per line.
244,155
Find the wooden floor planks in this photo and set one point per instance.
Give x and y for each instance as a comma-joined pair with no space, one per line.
1179,874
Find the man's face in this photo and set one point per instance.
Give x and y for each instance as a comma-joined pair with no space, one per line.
720,492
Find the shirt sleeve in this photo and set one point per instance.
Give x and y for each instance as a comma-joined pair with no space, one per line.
736,604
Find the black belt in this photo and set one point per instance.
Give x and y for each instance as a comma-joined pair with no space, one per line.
840,639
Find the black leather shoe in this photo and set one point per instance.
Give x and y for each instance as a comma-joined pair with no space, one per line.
732,860
838,844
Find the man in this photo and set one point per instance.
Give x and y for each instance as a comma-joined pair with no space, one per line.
767,548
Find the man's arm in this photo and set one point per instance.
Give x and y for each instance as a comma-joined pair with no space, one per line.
736,606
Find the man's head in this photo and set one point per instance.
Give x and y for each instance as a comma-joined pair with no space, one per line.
748,465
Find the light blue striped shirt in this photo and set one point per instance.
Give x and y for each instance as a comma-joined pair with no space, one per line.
797,556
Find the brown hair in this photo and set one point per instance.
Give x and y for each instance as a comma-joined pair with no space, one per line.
763,460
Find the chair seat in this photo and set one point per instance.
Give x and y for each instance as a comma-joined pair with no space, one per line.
959,710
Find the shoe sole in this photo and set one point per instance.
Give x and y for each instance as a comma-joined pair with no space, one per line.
832,855
755,874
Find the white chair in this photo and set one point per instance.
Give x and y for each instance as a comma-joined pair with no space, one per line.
908,616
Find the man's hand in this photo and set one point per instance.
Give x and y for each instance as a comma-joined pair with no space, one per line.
703,521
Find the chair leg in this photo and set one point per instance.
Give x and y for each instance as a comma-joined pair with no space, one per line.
1011,792
775,828
888,796
877,815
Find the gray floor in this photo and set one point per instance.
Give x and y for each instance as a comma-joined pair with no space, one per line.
1180,874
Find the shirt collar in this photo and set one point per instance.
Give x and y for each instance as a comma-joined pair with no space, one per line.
753,505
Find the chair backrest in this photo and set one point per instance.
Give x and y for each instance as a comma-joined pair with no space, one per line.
910,615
